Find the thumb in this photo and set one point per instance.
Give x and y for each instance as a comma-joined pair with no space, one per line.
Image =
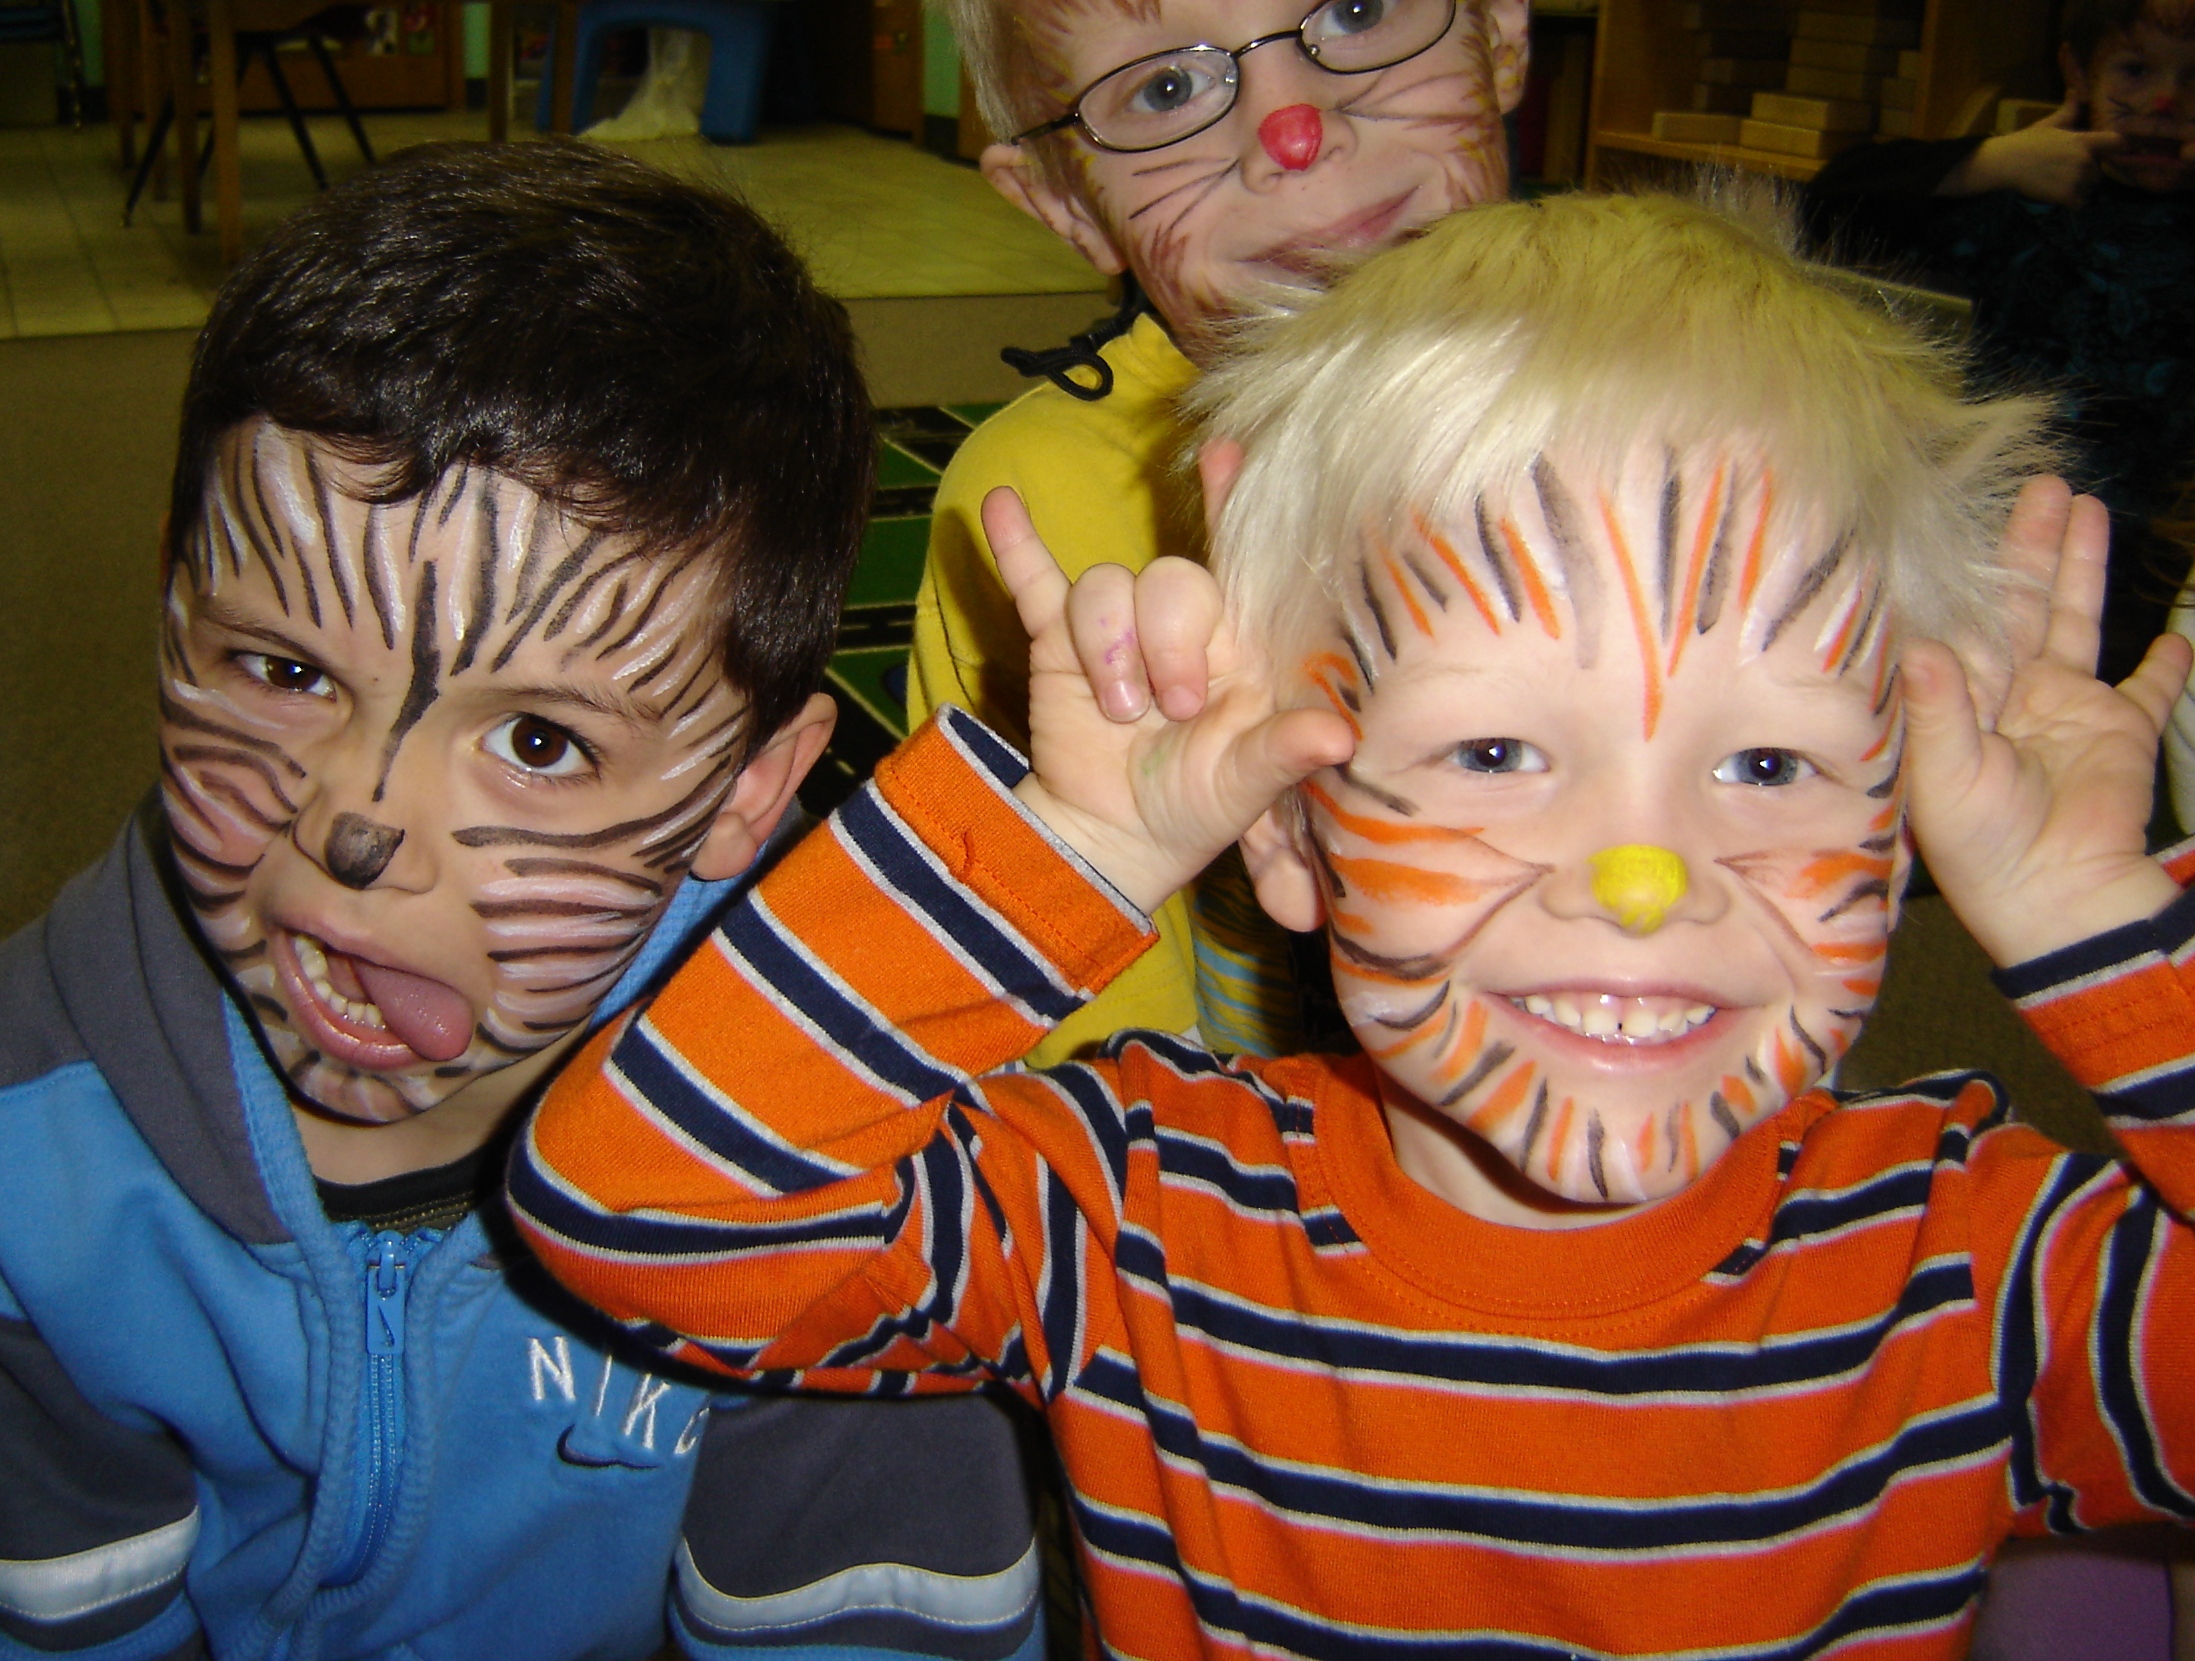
1943,735
1279,753
2067,114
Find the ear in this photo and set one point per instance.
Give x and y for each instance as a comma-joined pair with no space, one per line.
1286,885
1015,175
1219,463
2076,81
1509,41
764,790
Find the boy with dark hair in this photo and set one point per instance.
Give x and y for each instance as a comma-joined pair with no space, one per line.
1571,655
516,494
2075,238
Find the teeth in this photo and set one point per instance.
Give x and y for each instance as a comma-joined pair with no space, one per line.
314,962
1610,1018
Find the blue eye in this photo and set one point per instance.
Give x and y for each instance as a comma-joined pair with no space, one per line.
1764,767
1499,755
1167,88
1354,17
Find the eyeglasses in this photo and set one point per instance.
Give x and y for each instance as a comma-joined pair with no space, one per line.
1169,96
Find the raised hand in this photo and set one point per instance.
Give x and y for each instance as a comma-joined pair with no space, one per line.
1155,741
2033,824
2054,160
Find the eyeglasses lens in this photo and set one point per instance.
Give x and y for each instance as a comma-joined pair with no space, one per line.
1171,96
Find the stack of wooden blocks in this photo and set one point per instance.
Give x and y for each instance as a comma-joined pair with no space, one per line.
1849,69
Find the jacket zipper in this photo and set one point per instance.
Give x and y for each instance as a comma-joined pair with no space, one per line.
389,1260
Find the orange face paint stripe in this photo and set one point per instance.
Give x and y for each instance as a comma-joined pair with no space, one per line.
1379,830
1855,609
1418,619
1559,1135
1649,657
1696,570
1749,576
1535,590
1814,878
1386,879
1445,552
1504,1100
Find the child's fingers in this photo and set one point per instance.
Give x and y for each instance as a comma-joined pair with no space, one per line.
1101,622
1943,734
2034,535
2067,114
1032,576
1177,612
1280,753
2077,593
2160,680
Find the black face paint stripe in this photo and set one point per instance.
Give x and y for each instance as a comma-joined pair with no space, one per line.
1874,888
1533,1126
549,867
1596,1136
1717,578
229,756
529,564
569,568
1581,577
456,497
1434,591
1809,590
1417,1017
377,588
1719,1110
497,910
1497,561
1672,507
425,684
518,836
1494,1056
328,540
585,588
666,577
216,786
178,715
1861,634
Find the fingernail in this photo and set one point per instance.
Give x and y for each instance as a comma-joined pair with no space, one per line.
1122,701
1179,703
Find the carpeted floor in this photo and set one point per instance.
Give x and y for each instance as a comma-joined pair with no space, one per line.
83,467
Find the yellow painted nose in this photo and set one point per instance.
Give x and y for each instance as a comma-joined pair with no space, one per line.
1638,884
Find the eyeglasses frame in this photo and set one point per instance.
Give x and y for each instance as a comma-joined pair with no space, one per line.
1073,117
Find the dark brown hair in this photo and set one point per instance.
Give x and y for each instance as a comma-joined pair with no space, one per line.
645,353
2085,25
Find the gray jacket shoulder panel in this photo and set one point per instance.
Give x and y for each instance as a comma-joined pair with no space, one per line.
113,975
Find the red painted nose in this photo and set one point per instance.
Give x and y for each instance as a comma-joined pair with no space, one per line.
1293,136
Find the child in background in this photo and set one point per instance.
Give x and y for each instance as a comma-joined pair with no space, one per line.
1204,149
2075,238
516,494
1586,563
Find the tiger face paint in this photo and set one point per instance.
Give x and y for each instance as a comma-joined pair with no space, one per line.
1610,876
433,769
1207,222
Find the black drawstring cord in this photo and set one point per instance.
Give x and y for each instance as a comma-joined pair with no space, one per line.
1081,351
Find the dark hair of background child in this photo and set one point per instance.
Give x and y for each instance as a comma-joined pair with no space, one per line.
2084,25
645,353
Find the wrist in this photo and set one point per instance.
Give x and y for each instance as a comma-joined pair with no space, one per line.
1142,876
2020,934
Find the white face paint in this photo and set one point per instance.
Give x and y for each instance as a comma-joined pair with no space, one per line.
1609,877
433,769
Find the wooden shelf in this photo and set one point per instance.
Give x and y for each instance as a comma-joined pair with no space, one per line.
1972,52
1800,168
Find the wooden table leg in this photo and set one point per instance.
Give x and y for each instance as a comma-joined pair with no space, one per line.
183,87
118,29
562,71
453,55
499,70
228,165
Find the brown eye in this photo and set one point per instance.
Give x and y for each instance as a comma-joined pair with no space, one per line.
538,746
284,674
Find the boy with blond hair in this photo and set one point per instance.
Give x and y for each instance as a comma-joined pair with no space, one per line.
1205,150
1574,659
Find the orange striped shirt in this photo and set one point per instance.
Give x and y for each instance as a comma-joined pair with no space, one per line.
1304,1406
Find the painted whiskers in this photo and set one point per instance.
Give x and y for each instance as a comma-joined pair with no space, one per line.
477,580
1605,578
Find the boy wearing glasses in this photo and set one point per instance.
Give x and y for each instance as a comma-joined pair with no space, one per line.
1205,150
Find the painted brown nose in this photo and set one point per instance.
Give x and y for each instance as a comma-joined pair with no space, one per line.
360,850
1293,136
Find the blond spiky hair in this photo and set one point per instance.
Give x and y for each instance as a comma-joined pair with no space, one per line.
1445,368
996,53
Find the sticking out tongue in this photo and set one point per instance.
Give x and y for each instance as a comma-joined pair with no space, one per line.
430,1017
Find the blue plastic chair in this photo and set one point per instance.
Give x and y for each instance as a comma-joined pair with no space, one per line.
739,52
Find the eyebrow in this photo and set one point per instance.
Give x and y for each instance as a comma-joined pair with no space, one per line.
626,711
219,613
